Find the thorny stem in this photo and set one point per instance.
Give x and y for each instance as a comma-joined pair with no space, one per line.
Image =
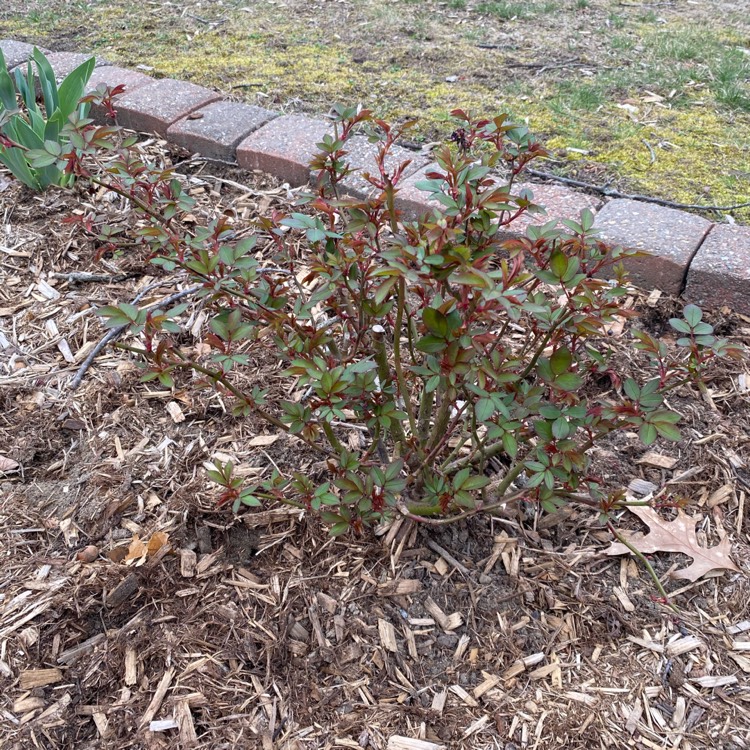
332,439
405,397
441,423
620,538
425,411
384,375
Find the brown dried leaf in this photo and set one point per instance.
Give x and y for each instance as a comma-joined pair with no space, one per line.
7,465
139,550
675,536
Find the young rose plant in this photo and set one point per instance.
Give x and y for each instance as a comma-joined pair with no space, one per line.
445,343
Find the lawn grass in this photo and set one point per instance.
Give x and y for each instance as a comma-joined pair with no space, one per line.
653,100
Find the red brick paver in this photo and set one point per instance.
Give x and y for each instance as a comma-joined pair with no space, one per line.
284,147
361,155
671,236
111,76
66,62
720,272
16,53
153,108
410,200
215,130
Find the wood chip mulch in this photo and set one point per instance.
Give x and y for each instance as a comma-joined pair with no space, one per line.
135,614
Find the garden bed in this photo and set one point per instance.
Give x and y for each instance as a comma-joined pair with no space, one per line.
260,630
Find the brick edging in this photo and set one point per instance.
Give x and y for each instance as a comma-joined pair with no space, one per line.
707,264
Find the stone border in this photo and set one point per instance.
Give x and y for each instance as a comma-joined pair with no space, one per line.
708,264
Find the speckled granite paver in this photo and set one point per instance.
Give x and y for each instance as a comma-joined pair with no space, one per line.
153,108
217,129
362,154
16,53
560,202
720,272
284,147
671,236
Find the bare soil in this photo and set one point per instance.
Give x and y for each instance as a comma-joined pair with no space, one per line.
514,631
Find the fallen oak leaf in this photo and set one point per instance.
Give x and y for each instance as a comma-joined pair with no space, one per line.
675,536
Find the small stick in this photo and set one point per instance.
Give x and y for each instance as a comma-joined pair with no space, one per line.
448,557
83,277
620,538
114,333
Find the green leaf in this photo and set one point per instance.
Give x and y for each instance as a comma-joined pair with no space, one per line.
475,482
7,90
560,428
558,263
510,444
47,82
484,409
679,325
432,383
461,477
569,381
431,344
693,314
561,360
631,389
384,290
647,433
73,87
436,322
668,431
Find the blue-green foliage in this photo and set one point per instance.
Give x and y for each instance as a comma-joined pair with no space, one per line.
39,136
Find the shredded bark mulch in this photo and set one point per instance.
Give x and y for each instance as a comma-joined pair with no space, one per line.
135,614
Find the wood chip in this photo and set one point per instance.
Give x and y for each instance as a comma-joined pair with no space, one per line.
401,587
8,465
463,695
710,681
407,743
642,487
161,691
33,678
101,722
438,701
72,655
263,441
175,411
188,561
720,496
656,459
387,635
131,666
162,725
623,598
683,645
124,591
188,736
29,703
490,681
